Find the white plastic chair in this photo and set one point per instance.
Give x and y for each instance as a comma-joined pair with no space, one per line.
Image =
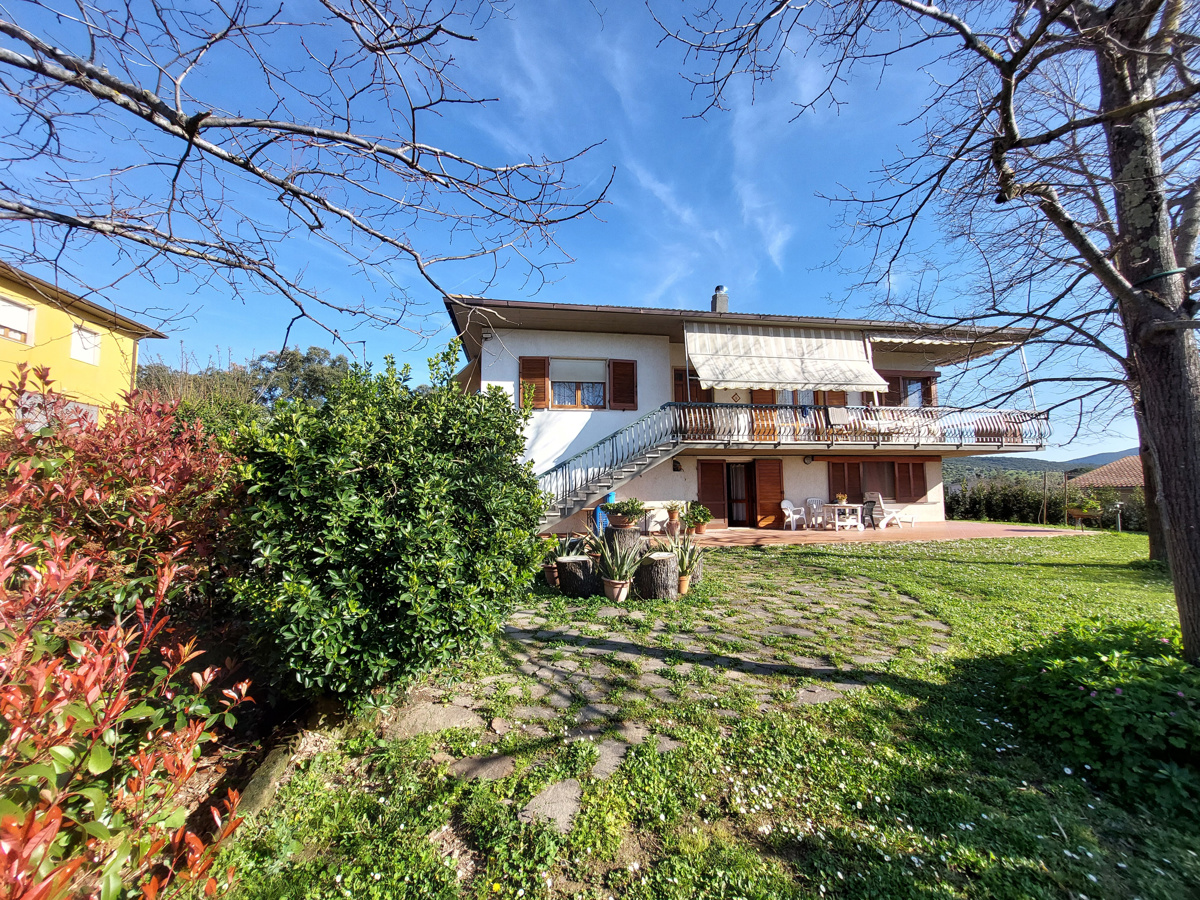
890,515
792,515
816,514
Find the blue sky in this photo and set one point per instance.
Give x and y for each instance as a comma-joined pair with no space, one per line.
730,199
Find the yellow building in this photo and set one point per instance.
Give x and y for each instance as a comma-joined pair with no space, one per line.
92,352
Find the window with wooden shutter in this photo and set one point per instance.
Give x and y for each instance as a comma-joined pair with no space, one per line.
845,478
622,384
910,482
534,373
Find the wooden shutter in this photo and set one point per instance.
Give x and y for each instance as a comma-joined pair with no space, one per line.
762,398
894,395
845,478
535,371
622,384
910,482
929,392
835,398
710,490
768,486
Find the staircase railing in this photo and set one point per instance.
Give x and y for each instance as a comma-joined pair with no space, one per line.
831,425
618,449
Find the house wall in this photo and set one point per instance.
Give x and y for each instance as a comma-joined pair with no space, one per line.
50,345
555,434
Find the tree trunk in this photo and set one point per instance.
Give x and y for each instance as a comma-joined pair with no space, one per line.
1163,353
577,577
1154,525
657,577
623,537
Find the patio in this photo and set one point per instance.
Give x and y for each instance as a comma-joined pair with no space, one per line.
922,531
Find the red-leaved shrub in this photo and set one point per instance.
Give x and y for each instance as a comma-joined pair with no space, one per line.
101,724
127,487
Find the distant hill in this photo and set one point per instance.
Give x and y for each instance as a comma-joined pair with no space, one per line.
955,469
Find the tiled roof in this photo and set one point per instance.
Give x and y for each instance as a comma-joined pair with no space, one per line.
1125,472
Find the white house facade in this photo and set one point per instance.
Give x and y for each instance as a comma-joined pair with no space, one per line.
737,411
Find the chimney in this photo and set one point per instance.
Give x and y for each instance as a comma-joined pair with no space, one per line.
720,300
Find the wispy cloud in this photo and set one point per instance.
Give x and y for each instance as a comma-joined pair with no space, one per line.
684,213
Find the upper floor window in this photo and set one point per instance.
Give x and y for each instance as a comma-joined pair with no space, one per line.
688,389
85,345
14,321
566,383
578,383
909,390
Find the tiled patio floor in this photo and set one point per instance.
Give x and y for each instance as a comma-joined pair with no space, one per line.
922,531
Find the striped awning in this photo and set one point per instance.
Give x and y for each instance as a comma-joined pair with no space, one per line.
785,359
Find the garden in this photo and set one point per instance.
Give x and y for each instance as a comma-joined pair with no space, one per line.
325,654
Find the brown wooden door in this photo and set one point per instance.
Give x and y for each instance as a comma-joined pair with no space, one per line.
768,489
766,425
710,490
697,421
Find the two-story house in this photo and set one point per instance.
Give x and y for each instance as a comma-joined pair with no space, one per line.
737,411
91,351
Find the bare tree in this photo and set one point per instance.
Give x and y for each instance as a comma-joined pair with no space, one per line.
1061,147
232,143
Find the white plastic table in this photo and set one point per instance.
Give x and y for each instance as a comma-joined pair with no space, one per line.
844,515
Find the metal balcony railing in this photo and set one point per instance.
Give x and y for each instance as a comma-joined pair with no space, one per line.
744,423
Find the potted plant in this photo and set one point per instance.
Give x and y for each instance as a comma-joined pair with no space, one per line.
697,517
550,555
624,513
840,498
687,556
617,567
674,508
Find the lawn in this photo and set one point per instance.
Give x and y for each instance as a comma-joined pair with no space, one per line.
811,722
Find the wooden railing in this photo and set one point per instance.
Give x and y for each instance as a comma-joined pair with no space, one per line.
744,423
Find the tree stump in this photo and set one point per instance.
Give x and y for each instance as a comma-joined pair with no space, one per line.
577,576
657,577
697,573
623,537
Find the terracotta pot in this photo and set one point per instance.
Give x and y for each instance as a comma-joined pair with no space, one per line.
684,582
701,528
673,515
616,591
618,521
691,529
550,573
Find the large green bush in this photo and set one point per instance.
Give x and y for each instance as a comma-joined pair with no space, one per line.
1120,704
393,528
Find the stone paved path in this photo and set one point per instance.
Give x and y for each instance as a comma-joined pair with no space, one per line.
610,674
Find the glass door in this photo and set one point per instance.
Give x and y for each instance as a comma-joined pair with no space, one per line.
740,491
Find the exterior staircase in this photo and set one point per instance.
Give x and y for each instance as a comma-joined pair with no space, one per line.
583,479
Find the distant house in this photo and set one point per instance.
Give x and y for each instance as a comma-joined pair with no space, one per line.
1124,474
92,351
738,411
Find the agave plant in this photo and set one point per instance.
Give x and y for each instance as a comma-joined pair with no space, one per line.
568,545
688,555
619,562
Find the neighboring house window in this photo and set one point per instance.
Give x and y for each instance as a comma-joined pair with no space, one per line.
578,383
14,321
85,345
901,480
797,398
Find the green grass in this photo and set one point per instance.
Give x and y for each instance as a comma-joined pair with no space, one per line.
917,786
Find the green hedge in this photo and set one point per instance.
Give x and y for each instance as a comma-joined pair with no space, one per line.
393,528
1120,705
1018,498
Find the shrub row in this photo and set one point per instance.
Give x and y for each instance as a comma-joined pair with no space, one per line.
1019,498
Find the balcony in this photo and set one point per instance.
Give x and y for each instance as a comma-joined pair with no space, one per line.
674,427
874,426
